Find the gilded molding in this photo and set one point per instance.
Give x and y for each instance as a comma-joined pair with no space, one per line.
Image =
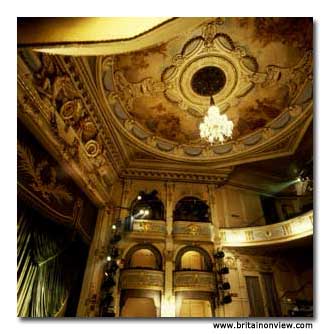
142,279
194,281
147,229
261,143
53,109
192,231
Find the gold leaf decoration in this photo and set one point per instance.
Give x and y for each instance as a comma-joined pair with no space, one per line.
47,189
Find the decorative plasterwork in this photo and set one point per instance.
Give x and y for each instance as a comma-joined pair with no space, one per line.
142,279
48,190
50,104
194,281
81,108
289,230
168,174
211,48
147,229
216,49
192,231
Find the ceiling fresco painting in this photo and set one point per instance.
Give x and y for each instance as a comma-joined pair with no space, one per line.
265,64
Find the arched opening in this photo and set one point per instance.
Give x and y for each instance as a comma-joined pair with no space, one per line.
139,308
193,258
191,209
143,259
143,256
148,206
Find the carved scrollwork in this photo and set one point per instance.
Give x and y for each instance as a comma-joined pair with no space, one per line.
72,111
92,148
43,175
129,91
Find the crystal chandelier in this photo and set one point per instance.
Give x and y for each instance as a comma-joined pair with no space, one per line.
215,127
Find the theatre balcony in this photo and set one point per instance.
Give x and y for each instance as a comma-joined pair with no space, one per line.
188,231
144,279
289,230
194,281
146,229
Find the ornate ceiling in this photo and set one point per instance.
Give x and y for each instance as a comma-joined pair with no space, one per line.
141,110
267,84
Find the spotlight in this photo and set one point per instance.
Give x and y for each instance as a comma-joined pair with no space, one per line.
224,270
146,212
219,254
114,227
109,258
139,197
227,299
298,179
224,286
141,212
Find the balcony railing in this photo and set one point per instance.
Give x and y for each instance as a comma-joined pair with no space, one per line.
142,279
143,228
194,281
198,231
296,228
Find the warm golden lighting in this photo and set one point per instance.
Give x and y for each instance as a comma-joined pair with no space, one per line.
215,127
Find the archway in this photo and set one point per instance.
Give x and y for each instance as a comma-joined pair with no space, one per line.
191,209
151,257
144,259
148,206
193,258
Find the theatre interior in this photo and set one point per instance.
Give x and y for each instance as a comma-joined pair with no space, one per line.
165,167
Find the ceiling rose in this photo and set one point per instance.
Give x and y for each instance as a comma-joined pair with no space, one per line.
209,65
153,95
208,81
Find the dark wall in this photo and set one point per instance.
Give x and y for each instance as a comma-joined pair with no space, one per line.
56,224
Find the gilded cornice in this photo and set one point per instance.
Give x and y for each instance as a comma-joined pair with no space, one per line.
53,124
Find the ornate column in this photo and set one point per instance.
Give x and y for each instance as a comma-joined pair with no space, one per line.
168,302
214,216
215,231
90,291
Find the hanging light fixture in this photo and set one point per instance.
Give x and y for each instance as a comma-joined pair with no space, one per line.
215,127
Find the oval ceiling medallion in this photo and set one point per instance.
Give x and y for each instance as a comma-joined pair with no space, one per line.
208,81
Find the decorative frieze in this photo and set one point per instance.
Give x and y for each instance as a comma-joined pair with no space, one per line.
194,281
298,227
142,279
192,231
152,229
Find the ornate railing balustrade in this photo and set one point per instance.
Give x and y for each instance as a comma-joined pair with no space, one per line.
295,228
